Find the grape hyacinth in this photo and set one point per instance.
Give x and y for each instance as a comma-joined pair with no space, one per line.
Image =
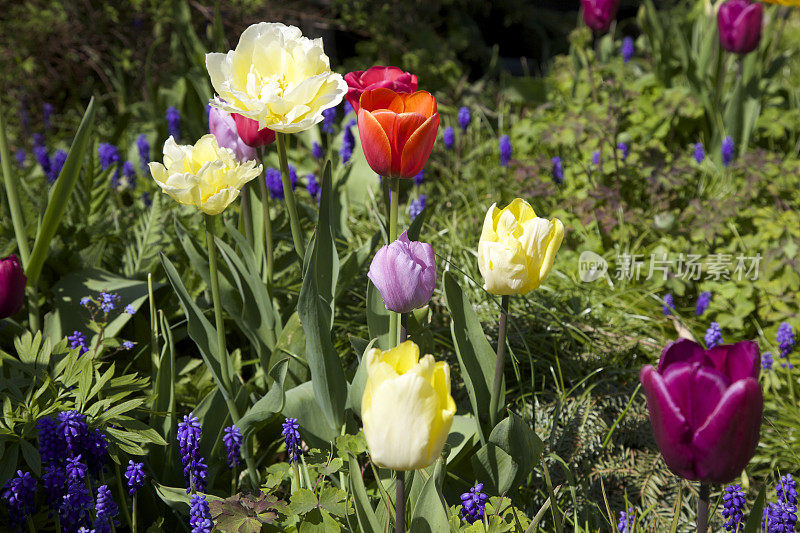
56,164
233,444
348,143
54,479
416,206
627,49
702,303
78,340
786,490
47,113
669,304
733,501
146,200
96,451
20,155
699,152
347,108
144,150
127,345
419,178
74,509
194,468
108,301
51,441
596,158
135,476
200,515
108,155
728,148
40,153
785,338
779,518
473,504
713,335
38,139
173,117
274,183
316,150
291,434
72,425
464,118
767,361
19,494
105,509
627,521
129,309
505,150
624,150
76,470
312,185
558,170
449,138
130,173
328,117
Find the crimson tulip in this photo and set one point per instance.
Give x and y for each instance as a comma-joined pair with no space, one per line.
705,408
376,78
739,24
249,132
397,131
12,286
598,14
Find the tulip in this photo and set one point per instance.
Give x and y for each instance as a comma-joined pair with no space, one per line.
404,272
222,125
516,248
397,131
12,286
203,175
705,408
277,77
251,134
375,78
407,408
739,24
598,14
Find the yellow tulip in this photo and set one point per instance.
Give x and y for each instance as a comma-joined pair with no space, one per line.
517,248
277,77
795,3
407,409
204,175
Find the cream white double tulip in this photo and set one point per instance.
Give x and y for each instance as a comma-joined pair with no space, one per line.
204,175
517,248
407,409
277,77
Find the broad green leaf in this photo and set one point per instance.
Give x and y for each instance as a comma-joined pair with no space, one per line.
316,427
269,404
515,437
377,317
365,513
430,511
753,523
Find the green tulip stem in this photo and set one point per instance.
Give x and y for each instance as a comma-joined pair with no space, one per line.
394,198
400,504
133,514
288,197
265,205
403,327
702,508
499,362
121,494
222,354
247,214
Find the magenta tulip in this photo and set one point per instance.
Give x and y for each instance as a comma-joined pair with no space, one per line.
12,286
598,14
223,127
375,78
705,408
404,272
739,24
251,134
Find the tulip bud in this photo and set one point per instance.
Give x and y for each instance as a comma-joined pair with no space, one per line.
397,131
404,272
598,14
250,134
739,24
375,78
223,126
705,408
517,249
407,408
12,286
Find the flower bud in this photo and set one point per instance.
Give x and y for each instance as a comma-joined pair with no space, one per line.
404,272
12,286
739,24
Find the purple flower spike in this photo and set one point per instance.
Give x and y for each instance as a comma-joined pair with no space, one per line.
404,272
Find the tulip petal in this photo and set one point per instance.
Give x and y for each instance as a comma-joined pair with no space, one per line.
380,99
737,361
696,389
553,244
728,440
421,102
418,148
374,143
670,428
682,351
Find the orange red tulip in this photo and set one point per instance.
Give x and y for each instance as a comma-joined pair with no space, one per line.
397,130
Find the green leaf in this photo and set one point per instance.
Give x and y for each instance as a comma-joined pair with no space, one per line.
753,523
333,500
292,343
31,456
377,317
60,195
515,437
270,403
430,511
315,308
356,392
365,514
495,468
303,501
301,404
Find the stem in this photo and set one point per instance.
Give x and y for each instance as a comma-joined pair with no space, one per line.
13,200
225,387
133,515
394,197
498,369
400,504
702,508
123,499
30,524
267,228
288,197
297,478
153,322
403,327
246,213
33,307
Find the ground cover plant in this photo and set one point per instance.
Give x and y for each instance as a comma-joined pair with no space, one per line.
282,293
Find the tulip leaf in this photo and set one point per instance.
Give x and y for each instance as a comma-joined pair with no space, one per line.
359,382
315,308
270,403
753,523
60,195
495,468
377,317
475,354
430,510
519,441
365,514
302,405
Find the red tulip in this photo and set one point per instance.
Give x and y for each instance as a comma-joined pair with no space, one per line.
12,286
376,78
739,24
397,131
249,132
598,14
705,408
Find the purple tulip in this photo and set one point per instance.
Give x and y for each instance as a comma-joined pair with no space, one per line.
404,272
223,127
12,286
739,24
705,408
598,14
